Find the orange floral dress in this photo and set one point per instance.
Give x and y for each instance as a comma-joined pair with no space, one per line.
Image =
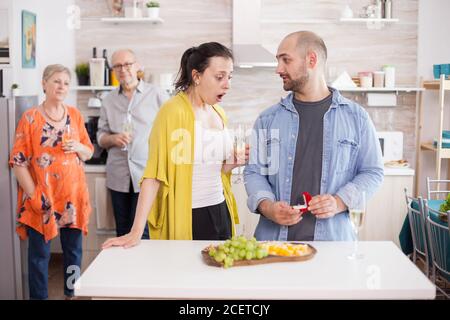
61,197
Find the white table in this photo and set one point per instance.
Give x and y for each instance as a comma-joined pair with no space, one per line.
175,269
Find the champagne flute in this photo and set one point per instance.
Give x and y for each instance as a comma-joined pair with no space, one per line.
127,128
240,142
357,212
66,137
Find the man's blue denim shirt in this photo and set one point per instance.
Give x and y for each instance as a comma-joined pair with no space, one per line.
351,163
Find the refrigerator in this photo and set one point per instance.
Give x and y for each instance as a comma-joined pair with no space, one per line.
13,252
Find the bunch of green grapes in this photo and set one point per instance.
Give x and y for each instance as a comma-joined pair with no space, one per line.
237,248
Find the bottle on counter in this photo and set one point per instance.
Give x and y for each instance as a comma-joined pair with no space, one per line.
389,76
378,79
388,9
383,13
114,81
378,9
107,69
96,69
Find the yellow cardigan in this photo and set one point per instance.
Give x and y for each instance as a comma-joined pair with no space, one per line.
170,159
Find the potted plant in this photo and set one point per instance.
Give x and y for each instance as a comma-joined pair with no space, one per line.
82,71
152,9
445,208
15,91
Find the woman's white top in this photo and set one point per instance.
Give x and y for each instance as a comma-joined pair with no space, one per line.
211,148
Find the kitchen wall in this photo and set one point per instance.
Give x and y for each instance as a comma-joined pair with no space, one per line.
433,48
53,45
352,47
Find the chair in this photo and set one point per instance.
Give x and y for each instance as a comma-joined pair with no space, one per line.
437,191
417,223
438,238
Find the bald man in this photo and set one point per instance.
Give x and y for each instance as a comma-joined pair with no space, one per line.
314,141
136,102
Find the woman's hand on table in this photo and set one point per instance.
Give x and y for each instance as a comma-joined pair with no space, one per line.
127,241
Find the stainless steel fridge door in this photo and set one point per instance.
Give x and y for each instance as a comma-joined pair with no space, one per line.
13,252
10,262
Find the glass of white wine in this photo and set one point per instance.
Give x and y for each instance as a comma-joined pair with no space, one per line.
240,141
127,128
66,137
357,212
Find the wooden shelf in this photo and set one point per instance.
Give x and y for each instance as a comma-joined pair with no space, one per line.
132,20
397,89
445,152
435,85
299,21
359,20
321,21
441,153
93,88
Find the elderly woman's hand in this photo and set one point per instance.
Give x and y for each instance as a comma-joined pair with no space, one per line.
74,146
71,146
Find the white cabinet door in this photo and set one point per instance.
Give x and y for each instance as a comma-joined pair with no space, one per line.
103,206
248,220
386,210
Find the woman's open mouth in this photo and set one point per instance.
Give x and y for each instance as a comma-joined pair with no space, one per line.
219,97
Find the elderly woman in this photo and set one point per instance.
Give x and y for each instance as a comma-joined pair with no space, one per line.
47,158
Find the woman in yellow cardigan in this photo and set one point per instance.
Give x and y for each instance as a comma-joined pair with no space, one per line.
186,185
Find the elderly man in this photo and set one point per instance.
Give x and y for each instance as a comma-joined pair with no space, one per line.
126,119
314,141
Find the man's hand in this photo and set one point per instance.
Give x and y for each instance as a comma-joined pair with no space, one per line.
280,212
326,206
120,140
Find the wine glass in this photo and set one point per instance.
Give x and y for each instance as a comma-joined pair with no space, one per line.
240,141
357,212
66,137
127,128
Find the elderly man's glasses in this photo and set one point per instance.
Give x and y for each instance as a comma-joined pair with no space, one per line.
126,66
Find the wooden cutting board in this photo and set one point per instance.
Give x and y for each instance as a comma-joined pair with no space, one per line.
269,259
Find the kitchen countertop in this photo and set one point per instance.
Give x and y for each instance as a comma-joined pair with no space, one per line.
174,269
97,168
398,171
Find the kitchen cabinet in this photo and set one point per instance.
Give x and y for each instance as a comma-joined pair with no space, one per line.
247,219
442,85
386,210
384,89
101,223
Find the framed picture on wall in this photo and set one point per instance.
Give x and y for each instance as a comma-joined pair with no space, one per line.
28,39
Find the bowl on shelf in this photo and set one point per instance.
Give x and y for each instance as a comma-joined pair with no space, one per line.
439,69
